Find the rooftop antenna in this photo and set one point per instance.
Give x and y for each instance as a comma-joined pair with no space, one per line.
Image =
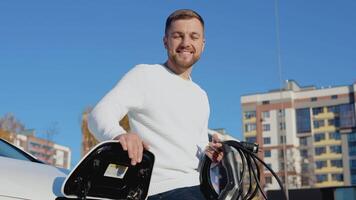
282,118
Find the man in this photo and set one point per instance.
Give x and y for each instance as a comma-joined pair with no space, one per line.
168,112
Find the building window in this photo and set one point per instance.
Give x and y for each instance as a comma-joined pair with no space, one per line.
318,123
305,181
266,140
304,153
353,171
321,178
334,122
319,137
335,149
250,127
353,164
268,179
336,163
266,127
281,166
267,153
35,145
303,141
333,109
265,114
265,102
282,139
305,167
313,99
250,114
281,113
320,164
352,150
353,178
320,150
334,97
269,165
351,137
335,136
251,139
337,177
347,116
317,110
303,120
282,126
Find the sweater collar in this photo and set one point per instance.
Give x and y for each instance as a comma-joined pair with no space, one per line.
172,72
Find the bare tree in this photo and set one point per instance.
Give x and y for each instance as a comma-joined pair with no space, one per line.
11,124
50,132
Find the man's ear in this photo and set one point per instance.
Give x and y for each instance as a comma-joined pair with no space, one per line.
165,40
203,45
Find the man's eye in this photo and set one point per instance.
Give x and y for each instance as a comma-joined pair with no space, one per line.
176,36
195,37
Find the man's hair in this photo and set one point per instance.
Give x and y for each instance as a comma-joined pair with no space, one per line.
182,14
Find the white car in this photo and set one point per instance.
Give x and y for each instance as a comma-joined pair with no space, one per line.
104,173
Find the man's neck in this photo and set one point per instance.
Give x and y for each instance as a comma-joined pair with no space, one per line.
181,72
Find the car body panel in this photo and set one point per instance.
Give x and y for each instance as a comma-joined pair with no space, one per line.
30,180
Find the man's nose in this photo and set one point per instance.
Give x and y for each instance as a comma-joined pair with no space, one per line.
186,41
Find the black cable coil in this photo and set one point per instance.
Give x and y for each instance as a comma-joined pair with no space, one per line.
242,180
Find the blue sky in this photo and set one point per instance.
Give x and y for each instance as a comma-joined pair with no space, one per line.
59,57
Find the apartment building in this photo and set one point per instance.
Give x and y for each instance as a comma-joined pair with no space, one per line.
45,150
309,131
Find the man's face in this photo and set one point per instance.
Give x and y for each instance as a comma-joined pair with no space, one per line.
184,42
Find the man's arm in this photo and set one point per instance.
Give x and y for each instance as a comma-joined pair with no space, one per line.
103,121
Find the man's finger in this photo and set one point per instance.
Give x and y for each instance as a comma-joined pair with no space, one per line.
145,145
215,145
214,152
139,152
219,156
123,143
132,150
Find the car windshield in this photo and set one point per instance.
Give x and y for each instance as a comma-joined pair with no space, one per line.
7,150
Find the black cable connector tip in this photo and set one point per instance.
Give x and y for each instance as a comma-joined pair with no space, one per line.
253,147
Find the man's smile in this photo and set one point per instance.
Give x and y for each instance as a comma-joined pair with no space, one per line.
185,52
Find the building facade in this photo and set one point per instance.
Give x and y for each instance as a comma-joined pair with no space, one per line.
44,150
306,130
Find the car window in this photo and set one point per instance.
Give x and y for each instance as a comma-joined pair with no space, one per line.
7,150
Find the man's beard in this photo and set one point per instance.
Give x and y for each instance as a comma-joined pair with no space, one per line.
183,64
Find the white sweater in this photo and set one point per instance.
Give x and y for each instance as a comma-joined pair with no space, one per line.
169,113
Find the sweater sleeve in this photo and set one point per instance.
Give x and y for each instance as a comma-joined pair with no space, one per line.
103,120
204,139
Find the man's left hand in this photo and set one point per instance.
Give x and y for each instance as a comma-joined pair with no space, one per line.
214,149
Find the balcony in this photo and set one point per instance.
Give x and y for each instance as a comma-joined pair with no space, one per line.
324,129
325,115
250,133
325,170
250,120
327,142
328,156
330,184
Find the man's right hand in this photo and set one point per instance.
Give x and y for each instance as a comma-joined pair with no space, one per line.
134,146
